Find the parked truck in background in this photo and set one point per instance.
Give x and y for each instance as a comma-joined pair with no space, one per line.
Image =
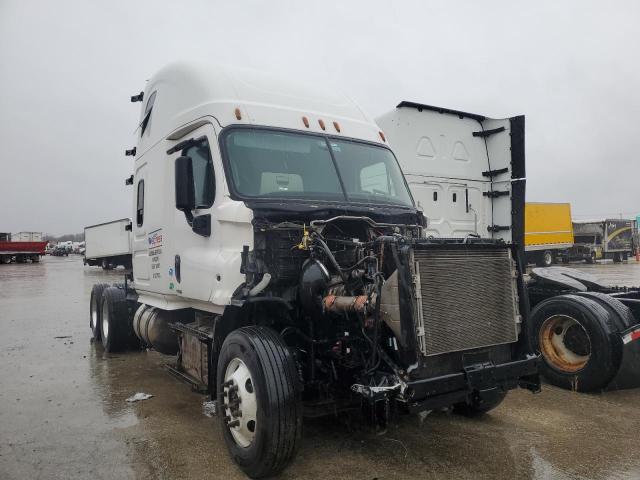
611,239
21,247
108,245
548,232
278,254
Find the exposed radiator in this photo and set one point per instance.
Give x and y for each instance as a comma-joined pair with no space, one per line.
468,297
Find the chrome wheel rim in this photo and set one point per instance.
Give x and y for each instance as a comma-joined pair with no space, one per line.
240,404
105,320
564,343
94,313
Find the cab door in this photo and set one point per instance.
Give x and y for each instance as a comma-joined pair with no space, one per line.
139,223
191,265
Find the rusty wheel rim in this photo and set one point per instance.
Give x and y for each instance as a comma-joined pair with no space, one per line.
564,343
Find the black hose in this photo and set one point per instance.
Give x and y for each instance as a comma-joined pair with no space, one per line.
298,332
332,259
279,300
376,327
359,262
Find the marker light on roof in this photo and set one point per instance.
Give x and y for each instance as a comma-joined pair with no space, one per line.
238,114
382,136
305,120
321,122
336,125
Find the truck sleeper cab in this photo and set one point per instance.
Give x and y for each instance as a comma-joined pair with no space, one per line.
279,254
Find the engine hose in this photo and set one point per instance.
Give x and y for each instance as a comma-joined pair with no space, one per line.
332,259
376,327
262,284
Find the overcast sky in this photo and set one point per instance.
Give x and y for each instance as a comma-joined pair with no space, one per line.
67,69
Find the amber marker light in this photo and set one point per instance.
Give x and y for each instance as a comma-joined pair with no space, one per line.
305,120
321,123
336,125
382,136
238,114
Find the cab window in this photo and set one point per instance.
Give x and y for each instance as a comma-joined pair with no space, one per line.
140,204
203,176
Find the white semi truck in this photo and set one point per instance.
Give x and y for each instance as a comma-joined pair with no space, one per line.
280,256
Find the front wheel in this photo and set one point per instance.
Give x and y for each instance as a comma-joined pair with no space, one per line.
259,394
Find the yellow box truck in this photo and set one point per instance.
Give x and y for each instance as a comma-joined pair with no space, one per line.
548,232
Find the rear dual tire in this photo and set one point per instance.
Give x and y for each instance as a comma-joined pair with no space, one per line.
579,339
95,310
110,318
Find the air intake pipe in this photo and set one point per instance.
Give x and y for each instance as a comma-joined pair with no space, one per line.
313,287
151,325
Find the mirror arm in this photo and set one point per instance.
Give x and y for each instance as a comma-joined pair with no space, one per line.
189,216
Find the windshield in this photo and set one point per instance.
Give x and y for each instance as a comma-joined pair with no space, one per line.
273,164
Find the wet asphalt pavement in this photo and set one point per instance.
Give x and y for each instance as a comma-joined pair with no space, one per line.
63,412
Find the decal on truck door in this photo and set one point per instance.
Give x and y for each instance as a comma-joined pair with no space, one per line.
155,251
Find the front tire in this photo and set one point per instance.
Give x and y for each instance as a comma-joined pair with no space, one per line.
259,394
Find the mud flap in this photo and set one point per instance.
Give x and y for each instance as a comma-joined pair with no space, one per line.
628,375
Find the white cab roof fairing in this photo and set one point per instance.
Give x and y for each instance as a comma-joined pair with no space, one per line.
188,91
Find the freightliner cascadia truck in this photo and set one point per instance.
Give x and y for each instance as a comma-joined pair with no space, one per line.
280,256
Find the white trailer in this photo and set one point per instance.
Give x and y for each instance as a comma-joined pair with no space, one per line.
108,244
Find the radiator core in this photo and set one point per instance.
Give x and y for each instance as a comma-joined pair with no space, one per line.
468,298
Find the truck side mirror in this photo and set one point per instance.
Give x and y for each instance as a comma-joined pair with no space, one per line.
185,191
